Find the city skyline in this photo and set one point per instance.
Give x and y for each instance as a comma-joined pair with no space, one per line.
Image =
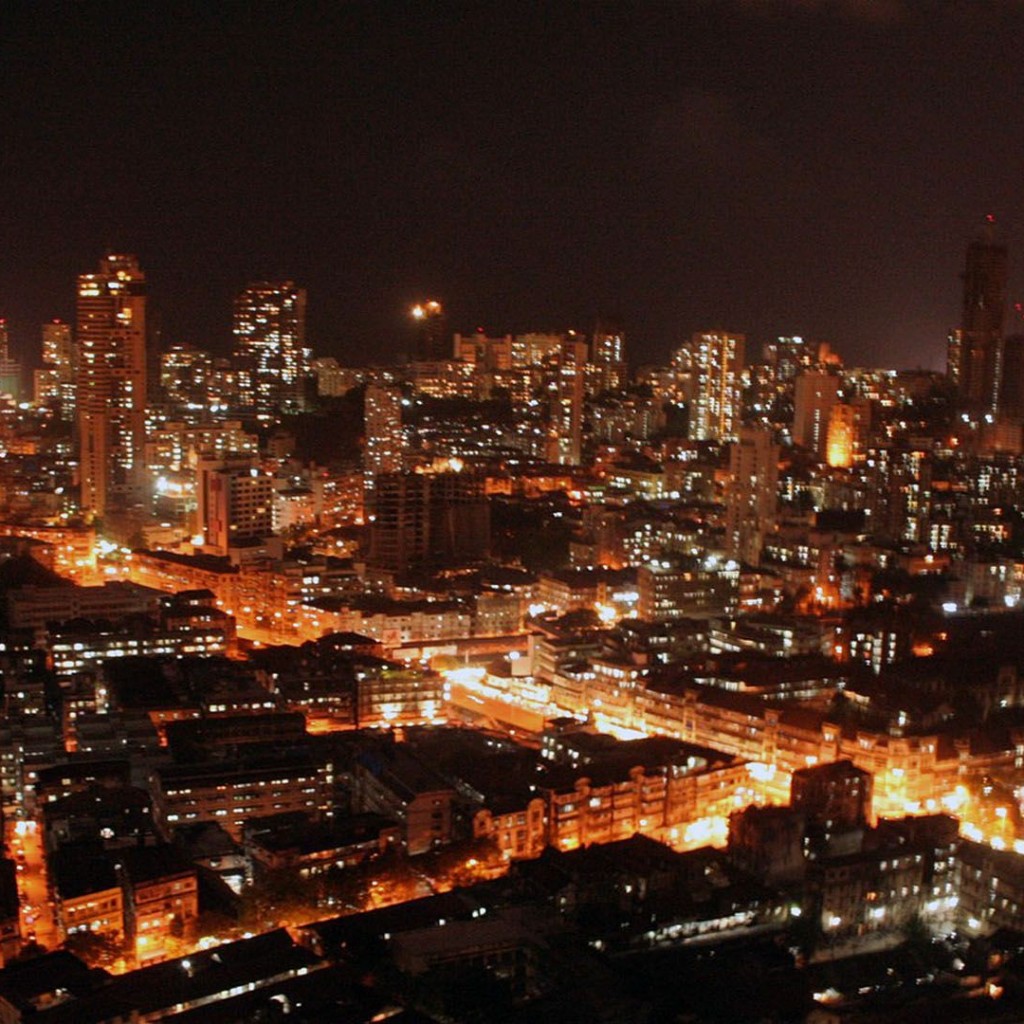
743,166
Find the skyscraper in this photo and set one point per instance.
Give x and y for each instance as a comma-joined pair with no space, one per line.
111,329
981,326
716,359
270,339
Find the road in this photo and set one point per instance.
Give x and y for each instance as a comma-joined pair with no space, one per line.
25,841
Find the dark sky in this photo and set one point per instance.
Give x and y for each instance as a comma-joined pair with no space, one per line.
768,166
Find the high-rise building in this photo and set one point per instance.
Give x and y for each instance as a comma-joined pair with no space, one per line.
842,436
235,503
565,412
484,353
815,395
185,374
790,356
530,350
111,331
981,326
383,430
716,358
752,494
55,382
10,368
270,339
429,519
607,357
1011,390
432,343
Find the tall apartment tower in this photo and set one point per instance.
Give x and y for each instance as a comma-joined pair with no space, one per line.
565,412
981,326
752,494
716,359
815,396
10,368
111,387
608,357
55,382
270,340
383,430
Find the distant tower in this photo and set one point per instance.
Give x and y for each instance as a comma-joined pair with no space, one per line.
815,396
1011,388
751,494
10,369
981,325
111,396
270,339
608,357
383,430
565,412
55,382
716,359
432,343
841,439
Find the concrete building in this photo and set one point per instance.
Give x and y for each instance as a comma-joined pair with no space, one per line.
111,394
270,340
235,503
716,359
816,394
752,499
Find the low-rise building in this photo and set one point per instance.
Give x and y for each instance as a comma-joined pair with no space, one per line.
87,893
160,898
230,793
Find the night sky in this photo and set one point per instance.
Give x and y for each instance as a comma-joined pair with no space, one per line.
786,166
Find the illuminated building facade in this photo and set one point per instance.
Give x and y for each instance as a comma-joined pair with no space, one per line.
685,588
565,413
235,503
185,376
752,494
842,436
716,359
815,396
394,782
484,353
160,897
55,382
232,793
607,371
385,435
789,356
270,339
111,398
